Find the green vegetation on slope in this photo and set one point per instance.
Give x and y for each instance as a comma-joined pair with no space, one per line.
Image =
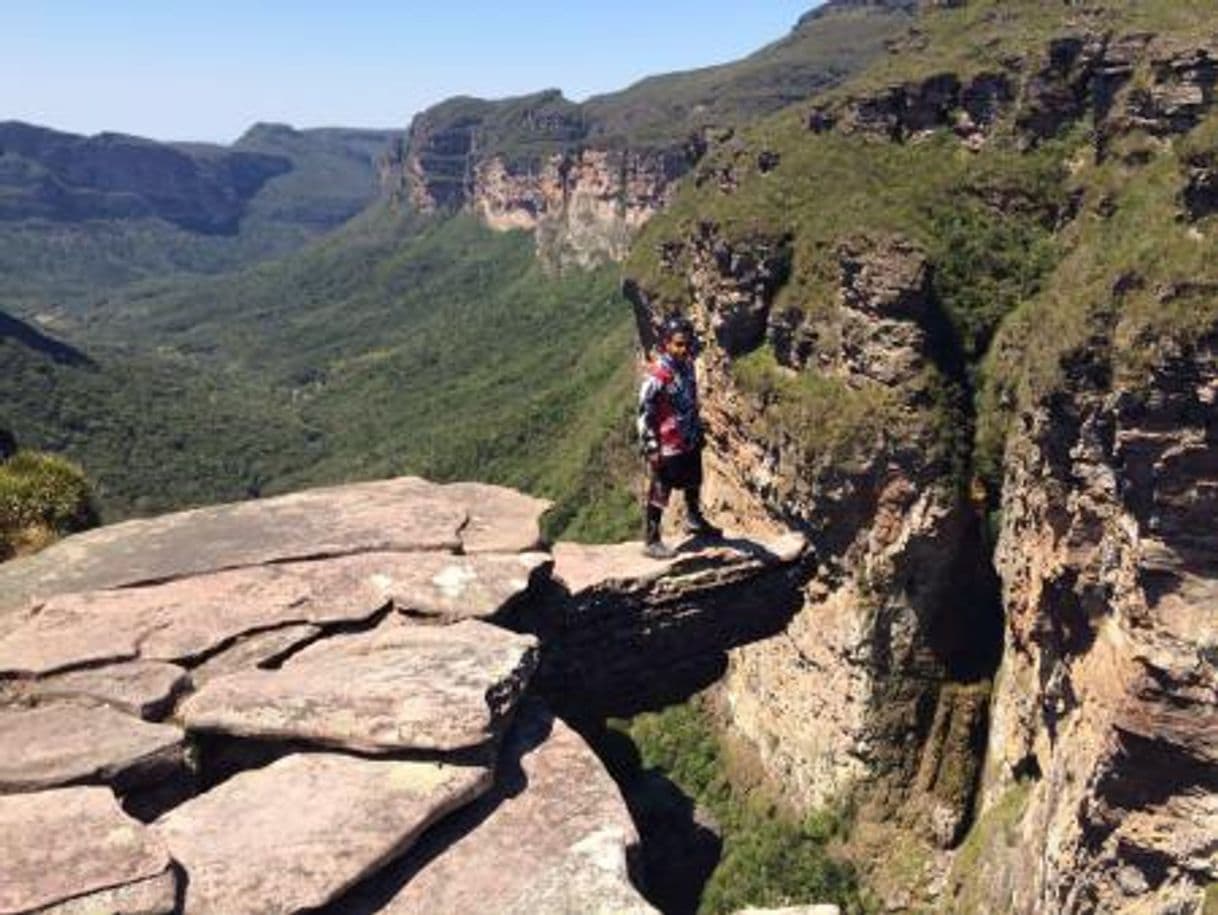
770,858
154,432
439,348
72,257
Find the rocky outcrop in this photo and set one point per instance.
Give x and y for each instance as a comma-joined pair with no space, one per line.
313,710
584,207
1105,717
1124,82
555,827
622,632
861,690
583,204
56,744
399,688
402,516
294,835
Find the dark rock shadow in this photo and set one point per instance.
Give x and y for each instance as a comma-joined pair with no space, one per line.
679,849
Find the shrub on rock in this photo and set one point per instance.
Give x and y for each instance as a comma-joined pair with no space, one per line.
42,497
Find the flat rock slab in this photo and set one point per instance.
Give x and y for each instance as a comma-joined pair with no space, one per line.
252,651
145,689
450,588
500,520
191,618
581,567
298,833
400,687
550,839
74,850
54,745
404,514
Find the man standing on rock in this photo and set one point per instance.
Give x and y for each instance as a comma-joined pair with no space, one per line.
670,432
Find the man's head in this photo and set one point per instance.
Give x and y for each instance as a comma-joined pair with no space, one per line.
677,338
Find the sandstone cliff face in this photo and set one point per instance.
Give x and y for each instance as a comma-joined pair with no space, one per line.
583,203
1098,793
857,692
585,207
1107,705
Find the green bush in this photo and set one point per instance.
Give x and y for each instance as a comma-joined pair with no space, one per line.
41,496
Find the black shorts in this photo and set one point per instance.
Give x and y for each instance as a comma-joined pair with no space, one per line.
680,471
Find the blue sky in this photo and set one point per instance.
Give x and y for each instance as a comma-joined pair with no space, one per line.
207,70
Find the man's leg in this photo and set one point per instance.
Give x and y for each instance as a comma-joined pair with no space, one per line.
696,522
657,498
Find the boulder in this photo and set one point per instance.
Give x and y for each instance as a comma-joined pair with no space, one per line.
400,687
73,850
552,837
298,833
400,515
145,689
53,745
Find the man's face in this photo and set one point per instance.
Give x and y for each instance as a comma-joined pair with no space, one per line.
678,346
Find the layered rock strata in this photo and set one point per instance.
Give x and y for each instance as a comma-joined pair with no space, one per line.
1105,720
845,693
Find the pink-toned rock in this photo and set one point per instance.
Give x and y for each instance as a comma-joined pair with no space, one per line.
551,838
450,588
404,514
500,520
582,566
184,620
145,689
74,851
407,514
53,745
298,833
399,687
253,651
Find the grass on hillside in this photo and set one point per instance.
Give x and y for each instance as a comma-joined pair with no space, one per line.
437,348
995,224
770,858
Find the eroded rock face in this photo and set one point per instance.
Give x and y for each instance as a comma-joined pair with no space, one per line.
60,744
296,834
844,696
585,207
1125,82
1105,716
630,633
397,688
74,851
552,837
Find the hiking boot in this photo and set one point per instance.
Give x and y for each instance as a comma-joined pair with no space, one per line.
658,549
698,526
